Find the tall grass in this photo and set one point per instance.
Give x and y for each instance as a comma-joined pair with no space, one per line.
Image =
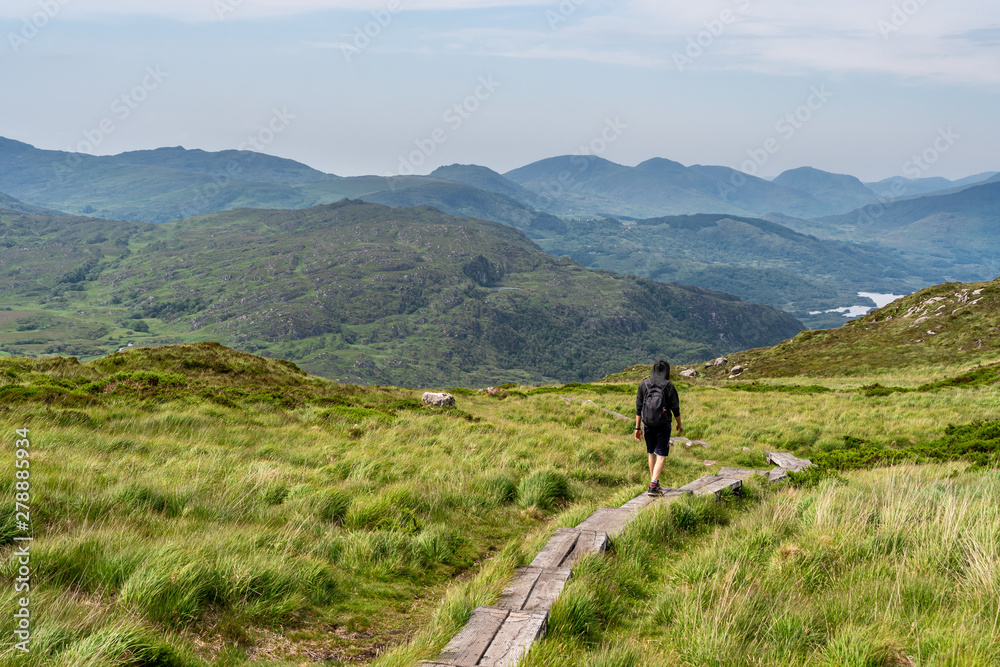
896,566
232,523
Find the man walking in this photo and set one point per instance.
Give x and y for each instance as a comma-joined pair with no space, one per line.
655,401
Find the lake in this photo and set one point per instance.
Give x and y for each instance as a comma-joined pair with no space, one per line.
857,311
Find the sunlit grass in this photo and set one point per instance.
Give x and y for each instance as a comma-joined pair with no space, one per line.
888,567
225,523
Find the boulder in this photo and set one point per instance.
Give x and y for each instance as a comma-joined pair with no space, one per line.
736,370
689,373
495,392
721,361
437,400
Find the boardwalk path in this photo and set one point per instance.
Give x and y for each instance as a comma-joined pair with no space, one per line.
501,635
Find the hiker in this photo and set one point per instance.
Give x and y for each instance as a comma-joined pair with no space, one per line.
655,401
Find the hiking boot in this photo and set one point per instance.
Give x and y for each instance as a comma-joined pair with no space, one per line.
654,489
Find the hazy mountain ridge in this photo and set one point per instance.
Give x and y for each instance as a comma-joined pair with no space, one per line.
172,183
952,235
757,259
11,204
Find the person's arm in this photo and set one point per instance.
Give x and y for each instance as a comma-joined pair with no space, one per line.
675,407
640,395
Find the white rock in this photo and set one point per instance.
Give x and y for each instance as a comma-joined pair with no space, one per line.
721,361
437,400
736,370
689,373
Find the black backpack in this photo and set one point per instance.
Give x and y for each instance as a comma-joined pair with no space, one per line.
654,408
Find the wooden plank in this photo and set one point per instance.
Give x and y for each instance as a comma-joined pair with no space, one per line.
602,519
514,638
777,474
638,503
516,593
590,541
557,548
697,484
718,486
740,473
468,646
546,589
787,461
610,520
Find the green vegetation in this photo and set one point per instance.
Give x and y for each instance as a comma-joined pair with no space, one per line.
356,292
194,505
887,567
758,260
923,229
943,330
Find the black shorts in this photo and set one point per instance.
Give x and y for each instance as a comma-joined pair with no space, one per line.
658,439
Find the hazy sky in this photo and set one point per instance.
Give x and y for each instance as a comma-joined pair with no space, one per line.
356,87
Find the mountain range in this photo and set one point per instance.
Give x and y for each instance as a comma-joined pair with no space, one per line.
354,291
893,236
172,183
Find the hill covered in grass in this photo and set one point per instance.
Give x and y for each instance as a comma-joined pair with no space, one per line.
355,291
948,325
197,506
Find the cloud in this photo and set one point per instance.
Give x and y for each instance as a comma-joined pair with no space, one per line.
920,39
783,37
207,10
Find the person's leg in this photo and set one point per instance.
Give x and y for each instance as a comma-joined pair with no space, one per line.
657,466
652,467
661,447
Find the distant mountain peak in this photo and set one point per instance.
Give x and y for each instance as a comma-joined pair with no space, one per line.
842,192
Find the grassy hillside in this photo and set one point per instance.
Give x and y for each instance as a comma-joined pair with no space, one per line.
943,327
354,291
194,506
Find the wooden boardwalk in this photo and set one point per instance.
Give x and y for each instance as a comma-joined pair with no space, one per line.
500,636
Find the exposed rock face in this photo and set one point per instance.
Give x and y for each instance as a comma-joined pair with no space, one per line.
689,373
437,400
